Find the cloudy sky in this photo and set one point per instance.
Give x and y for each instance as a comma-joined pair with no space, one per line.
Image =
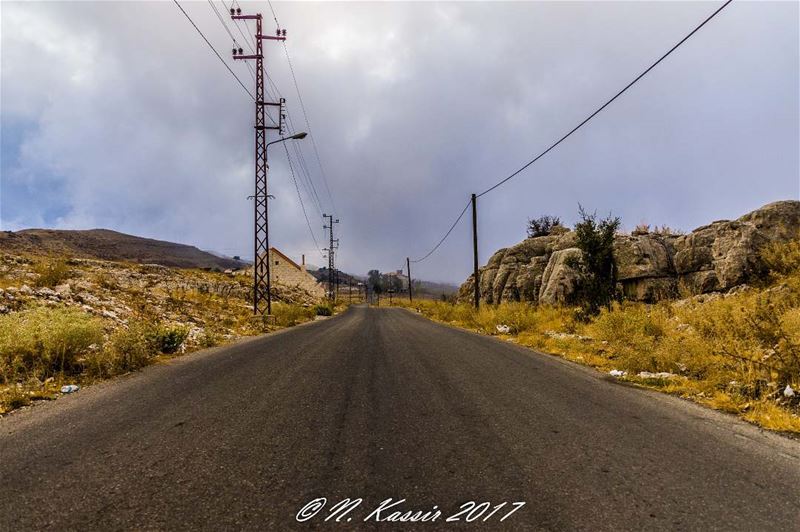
118,115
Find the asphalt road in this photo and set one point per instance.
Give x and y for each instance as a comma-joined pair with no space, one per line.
379,404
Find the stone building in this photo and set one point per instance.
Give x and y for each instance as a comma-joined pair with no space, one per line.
398,274
285,271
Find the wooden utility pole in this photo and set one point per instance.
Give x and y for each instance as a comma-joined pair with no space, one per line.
475,251
408,267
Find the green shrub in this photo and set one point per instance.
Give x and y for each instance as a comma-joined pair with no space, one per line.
323,310
51,273
595,239
168,340
43,341
543,225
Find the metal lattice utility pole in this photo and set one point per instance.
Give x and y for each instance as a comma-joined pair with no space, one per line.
334,243
262,300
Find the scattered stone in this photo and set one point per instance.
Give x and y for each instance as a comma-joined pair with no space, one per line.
659,375
64,290
70,388
46,292
788,391
503,329
568,336
617,373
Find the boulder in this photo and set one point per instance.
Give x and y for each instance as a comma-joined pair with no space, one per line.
487,275
560,280
643,256
779,220
731,249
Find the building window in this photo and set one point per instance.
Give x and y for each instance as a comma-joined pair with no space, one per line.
276,263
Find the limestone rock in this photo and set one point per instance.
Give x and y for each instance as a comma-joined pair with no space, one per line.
529,278
560,279
650,289
643,256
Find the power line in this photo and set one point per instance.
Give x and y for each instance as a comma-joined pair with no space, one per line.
308,184
238,27
559,141
274,16
305,114
308,125
445,235
629,85
214,50
235,42
302,205
224,25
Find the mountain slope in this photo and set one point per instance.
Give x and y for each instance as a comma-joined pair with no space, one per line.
110,245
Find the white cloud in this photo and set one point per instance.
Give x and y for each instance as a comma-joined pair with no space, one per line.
130,122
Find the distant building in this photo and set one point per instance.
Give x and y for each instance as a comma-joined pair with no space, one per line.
285,271
399,275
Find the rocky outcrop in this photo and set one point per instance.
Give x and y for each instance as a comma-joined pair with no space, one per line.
650,266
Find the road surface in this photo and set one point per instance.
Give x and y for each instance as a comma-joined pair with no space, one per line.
382,404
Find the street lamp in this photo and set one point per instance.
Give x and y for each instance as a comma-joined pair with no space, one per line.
296,136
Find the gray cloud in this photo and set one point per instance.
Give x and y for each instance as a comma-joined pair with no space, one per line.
123,118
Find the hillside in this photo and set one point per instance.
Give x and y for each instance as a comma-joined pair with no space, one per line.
104,244
75,320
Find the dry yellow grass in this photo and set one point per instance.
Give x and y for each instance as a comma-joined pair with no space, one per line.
46,343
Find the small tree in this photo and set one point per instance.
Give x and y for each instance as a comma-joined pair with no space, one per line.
595,238
375,280
543,225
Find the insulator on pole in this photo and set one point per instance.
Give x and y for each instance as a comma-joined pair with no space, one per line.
241,51
234,51
238,10
233,11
